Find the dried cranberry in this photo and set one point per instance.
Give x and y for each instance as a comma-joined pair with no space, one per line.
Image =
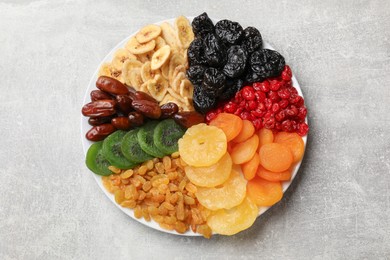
286,74
246,116
283,103
273,95
211,115
280,116
260,96
248,93
258,124
275,107
268,103
287,126
303,128
251,105
230,107
293,90
261,86
238,111
284,93
275,85
261,106
302,113
257,113
269,123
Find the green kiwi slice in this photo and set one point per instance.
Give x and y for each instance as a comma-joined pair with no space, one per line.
145,139
132,150
112,151
166,134
95,160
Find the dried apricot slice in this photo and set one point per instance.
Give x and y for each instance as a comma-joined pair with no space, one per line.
292,141
275,157
231,221
230,194
263,192
230,124
249,168
265,137
246,132
244,151
210,176
202,145
274,176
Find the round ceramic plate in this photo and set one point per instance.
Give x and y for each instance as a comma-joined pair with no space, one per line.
86,144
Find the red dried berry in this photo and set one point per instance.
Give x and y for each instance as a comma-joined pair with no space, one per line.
286,74
230,107
248,93
303,128
284,93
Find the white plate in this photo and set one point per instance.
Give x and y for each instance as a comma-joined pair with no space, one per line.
86,144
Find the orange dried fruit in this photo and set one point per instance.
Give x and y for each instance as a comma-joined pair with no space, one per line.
274,176
210,176
246,132
249,168
202,145
275,157
265,137
263,192
230,124
294,142
244,151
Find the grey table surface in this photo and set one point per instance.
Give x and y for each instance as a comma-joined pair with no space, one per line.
337,207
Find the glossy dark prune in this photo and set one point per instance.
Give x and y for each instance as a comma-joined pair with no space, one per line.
232,86
214,78
214,51
267,63
252,39
195,74
202,25
251,77
203,101
195,52
229,32
236,61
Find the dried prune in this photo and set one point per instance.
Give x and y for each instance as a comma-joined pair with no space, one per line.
203,101
202,25
214,51
214,78
229,32
195,74
267,63
236,61
251,77
232,86
195,52
252,39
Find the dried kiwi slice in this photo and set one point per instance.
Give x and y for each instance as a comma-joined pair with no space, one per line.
95,160
131,148
166,134
112,151
145,139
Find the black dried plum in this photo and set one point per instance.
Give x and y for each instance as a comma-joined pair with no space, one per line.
251,77
267,63
195,74
214,78
202,25
229,32
195,52
203,102
236,61
214,51
232,86
252,39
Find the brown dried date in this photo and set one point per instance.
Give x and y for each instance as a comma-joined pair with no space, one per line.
99,95
147,108
168,110
188,118
121,122
99,120
136,118
98,133
111,86
124,103
139,95
99,108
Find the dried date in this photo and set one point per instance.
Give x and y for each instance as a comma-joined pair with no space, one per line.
147,108
121,122
99,108
98,133
168,110
111,86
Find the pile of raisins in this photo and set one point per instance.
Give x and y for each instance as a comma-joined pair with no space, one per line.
223,57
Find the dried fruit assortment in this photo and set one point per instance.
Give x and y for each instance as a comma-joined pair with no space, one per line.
196,126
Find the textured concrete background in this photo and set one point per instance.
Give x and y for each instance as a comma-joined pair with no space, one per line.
337,207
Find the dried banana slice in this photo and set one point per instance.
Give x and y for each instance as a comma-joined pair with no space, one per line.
158,87
186,89
174,62
148,33
135,47
184,31
147,72
128,67
117,74
105,70
145,56
169,35
120,56
165,70
135,78
160,57
160,42
177,81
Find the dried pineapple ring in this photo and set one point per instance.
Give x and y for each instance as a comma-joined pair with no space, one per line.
202,145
